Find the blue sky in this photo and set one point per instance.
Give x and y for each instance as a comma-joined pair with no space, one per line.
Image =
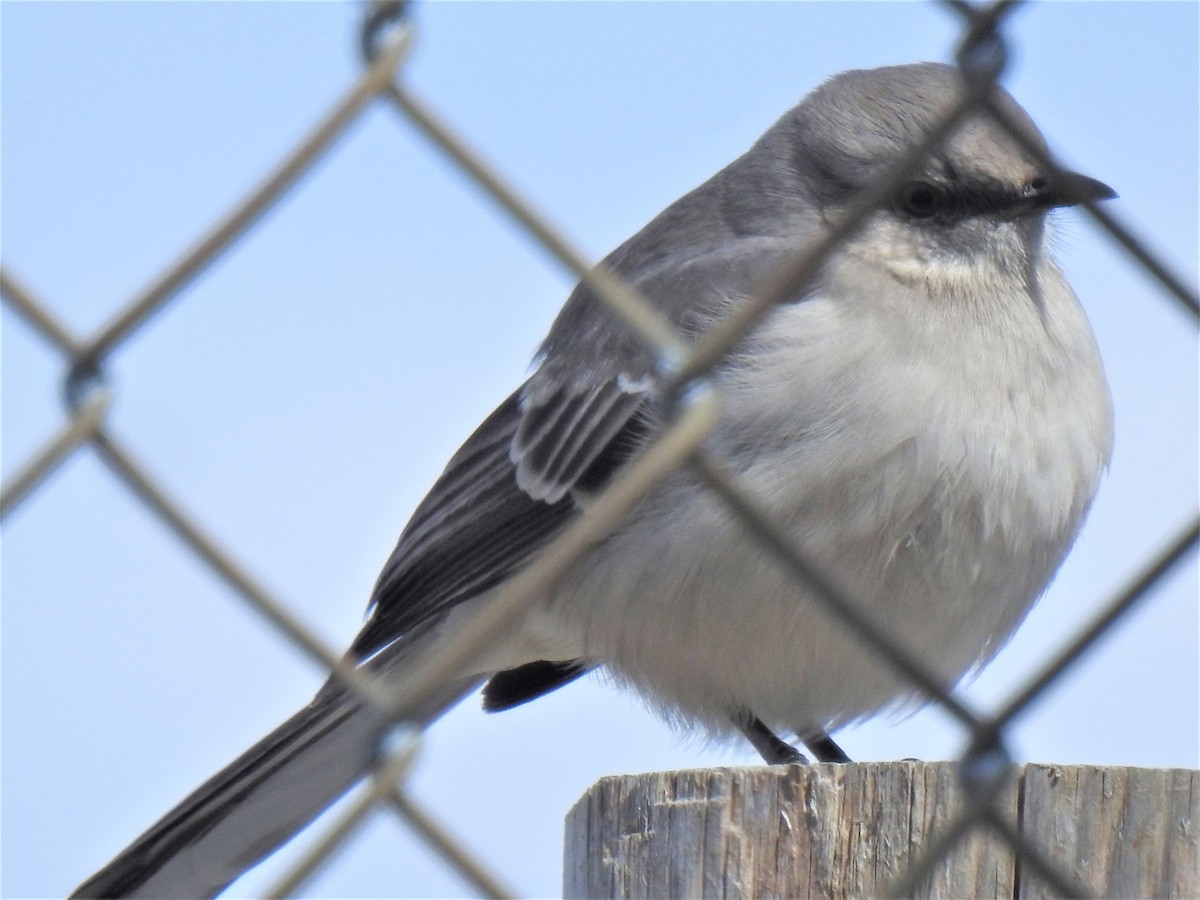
300,397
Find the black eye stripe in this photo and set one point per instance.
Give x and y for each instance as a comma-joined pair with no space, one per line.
924,200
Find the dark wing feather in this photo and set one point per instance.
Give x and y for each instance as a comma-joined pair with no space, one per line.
478,524
470,532
513,687
562,435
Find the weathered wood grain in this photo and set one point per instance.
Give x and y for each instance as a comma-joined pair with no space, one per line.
1118,831
834,831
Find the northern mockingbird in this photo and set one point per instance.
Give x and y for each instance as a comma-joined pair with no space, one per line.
928,419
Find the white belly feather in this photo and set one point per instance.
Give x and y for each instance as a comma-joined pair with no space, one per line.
942,493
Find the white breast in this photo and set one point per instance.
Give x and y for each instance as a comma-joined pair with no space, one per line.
934,457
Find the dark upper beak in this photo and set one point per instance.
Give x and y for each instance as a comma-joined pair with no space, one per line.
1064,188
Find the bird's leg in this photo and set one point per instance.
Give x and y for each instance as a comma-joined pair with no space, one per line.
774,751
824,748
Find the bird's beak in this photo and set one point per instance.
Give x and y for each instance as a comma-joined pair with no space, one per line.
1064,188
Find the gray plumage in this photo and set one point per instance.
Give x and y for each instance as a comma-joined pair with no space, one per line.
929,420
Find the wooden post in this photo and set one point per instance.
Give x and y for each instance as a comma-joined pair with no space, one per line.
834,831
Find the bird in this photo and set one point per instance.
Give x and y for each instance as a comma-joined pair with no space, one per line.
927,417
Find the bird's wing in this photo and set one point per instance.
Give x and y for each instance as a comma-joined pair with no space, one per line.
504,495
518,479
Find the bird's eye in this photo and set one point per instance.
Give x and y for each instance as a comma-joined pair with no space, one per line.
921,199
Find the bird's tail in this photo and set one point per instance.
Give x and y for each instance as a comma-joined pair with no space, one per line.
251,807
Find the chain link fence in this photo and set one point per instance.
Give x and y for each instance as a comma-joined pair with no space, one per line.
92,427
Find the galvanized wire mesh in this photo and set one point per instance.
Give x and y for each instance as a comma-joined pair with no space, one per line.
387,34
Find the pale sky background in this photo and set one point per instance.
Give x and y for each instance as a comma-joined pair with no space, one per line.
302,395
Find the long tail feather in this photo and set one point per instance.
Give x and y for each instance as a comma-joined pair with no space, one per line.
248,809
